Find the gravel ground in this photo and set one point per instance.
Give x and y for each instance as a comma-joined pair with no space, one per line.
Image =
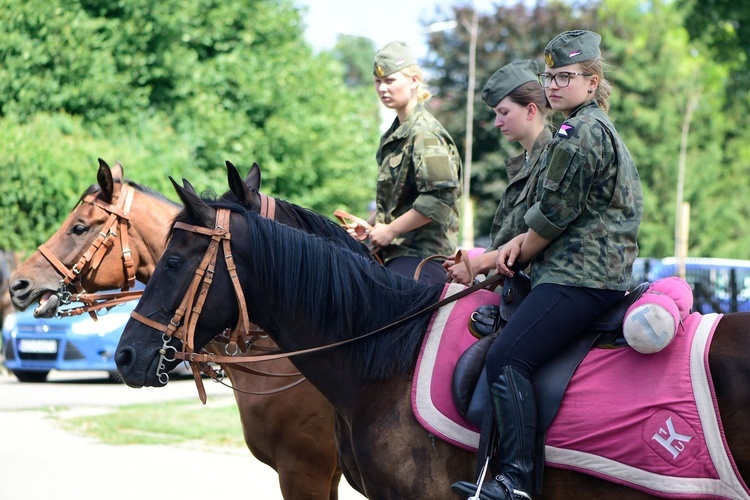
40,460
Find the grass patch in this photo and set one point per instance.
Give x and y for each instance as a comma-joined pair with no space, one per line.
164,423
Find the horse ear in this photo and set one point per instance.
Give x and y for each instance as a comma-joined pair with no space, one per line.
195,206
117,173
105,180
186,184
252,180
241,190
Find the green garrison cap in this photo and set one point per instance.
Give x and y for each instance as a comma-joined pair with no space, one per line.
572,47
393,57
507,79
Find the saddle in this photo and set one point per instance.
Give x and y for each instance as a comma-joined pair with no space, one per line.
471,392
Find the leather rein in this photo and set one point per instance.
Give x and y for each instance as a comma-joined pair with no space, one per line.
184,322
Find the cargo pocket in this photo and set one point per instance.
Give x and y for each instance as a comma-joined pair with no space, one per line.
395,160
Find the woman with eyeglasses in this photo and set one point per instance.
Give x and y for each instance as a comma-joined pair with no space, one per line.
581,244
521,114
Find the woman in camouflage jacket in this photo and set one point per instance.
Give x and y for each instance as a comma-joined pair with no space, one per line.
419,173
581,244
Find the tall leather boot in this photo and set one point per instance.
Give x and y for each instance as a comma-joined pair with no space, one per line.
515,411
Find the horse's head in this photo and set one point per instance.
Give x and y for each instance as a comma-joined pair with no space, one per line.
93,249
168,317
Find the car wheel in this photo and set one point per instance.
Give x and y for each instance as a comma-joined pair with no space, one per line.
29,376
115,377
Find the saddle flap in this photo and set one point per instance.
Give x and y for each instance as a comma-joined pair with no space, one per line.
467,373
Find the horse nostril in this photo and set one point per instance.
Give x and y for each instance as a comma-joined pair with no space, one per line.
19,286
124,358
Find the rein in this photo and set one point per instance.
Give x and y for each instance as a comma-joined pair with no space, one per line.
91,259
183,323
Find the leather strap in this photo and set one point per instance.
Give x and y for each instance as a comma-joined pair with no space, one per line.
345,217
267,206
461,256
205,358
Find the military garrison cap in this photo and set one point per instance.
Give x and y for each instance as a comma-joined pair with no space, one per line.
393,57
572,47
507,79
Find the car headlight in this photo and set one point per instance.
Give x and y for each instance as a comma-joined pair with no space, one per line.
104,325
9,324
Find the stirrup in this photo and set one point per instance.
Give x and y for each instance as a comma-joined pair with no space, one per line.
514,493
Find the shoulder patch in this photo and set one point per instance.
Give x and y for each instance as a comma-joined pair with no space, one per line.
566,130
431,141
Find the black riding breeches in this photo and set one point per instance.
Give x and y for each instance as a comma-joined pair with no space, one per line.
546,321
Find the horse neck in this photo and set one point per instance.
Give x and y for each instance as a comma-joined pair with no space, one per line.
150,218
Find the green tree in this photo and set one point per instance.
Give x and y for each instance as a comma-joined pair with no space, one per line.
656,71
219,81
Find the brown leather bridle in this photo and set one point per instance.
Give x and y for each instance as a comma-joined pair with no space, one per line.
119,216
183,323
185,319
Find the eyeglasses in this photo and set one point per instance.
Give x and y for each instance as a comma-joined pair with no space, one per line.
561,79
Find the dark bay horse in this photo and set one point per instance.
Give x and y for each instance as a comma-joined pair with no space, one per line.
332,296
291,430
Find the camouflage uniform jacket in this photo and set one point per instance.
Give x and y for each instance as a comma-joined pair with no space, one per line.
589,204
519,195
419,167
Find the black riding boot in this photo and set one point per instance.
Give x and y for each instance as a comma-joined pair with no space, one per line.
515,411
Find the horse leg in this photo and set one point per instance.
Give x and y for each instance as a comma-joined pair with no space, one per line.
396,456
298,445
346,455
335,480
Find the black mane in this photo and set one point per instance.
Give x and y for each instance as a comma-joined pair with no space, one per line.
311,222
335,291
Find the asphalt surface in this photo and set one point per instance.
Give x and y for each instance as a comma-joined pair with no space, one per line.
40,460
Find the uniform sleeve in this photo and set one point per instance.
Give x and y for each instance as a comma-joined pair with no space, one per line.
436,172
572,165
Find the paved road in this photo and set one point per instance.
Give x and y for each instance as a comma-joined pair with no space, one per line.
39,460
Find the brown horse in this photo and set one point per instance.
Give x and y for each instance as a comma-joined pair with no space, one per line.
334,296
290,430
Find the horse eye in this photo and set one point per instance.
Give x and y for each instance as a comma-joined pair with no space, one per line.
79,229
172,264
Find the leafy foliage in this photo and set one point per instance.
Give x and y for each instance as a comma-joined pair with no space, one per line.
178,87
657,70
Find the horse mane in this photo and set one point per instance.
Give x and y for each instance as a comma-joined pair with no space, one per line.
312,222
359,295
